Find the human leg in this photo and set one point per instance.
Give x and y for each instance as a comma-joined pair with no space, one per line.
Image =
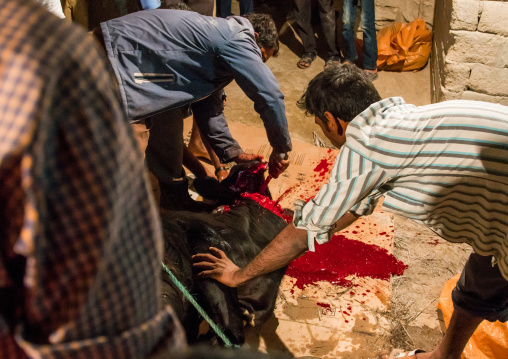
369,35
305,31
222,8
164,158
481,294
328,24
348,31
193,164
246,7
196,145
200,148
203,7
164,152
142,134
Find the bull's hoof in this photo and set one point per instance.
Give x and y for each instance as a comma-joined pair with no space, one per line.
249,318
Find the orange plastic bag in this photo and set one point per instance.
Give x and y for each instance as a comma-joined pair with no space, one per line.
404,47
489,341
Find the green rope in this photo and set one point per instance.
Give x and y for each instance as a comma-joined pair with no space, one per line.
189,296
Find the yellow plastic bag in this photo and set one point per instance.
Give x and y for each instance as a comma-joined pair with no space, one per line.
404,47
489,341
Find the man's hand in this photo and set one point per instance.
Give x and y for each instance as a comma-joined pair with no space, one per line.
277,164
245,157
216,266
221,173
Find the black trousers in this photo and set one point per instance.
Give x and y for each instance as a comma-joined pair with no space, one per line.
328,25
482,290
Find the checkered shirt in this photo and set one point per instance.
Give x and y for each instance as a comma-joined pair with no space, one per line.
80,239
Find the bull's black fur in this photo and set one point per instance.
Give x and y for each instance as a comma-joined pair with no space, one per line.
241,233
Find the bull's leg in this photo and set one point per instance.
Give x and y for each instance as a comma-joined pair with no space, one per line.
221,304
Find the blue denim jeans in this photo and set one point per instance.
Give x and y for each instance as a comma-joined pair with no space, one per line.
369,33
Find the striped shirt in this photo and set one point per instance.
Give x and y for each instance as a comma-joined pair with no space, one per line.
444,165
80,239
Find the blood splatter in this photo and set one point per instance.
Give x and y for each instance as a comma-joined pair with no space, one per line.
324,166
340,258
269,205
286,193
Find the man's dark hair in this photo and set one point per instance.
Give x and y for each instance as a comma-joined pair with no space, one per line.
343,90
265,27
178,6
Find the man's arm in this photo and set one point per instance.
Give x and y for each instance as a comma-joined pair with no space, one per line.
289,244
345,221
260,85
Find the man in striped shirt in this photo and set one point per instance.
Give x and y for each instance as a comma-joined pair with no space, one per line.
444,165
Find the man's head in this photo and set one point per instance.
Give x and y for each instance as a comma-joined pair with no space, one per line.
267,36
335,97
177,6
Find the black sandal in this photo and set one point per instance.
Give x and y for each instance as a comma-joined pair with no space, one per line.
306,60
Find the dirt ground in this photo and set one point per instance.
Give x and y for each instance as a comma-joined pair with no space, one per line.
415,321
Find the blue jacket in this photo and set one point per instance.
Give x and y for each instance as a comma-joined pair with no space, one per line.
165,59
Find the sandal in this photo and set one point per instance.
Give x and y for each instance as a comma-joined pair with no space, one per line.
371,74
397,353
306,60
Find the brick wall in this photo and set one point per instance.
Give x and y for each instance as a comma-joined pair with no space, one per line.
469,57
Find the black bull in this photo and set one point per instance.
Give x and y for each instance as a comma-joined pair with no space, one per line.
241,233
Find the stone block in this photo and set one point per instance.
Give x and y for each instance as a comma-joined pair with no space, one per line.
489,80
446,95
464,15
475,96
494,18
455,77
478,47
386,13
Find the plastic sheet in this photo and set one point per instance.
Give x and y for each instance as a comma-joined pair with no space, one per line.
404,47
489,341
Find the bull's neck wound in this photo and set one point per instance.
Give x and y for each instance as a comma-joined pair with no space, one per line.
270,205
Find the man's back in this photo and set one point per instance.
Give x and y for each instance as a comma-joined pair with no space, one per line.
443,164
168,58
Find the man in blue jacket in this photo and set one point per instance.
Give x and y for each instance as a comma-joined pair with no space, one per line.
165,60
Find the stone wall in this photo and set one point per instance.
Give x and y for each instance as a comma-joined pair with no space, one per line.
390,11
469,57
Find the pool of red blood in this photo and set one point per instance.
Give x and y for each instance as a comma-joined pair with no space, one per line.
333,261
340,258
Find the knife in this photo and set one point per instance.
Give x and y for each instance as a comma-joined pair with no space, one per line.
269,177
